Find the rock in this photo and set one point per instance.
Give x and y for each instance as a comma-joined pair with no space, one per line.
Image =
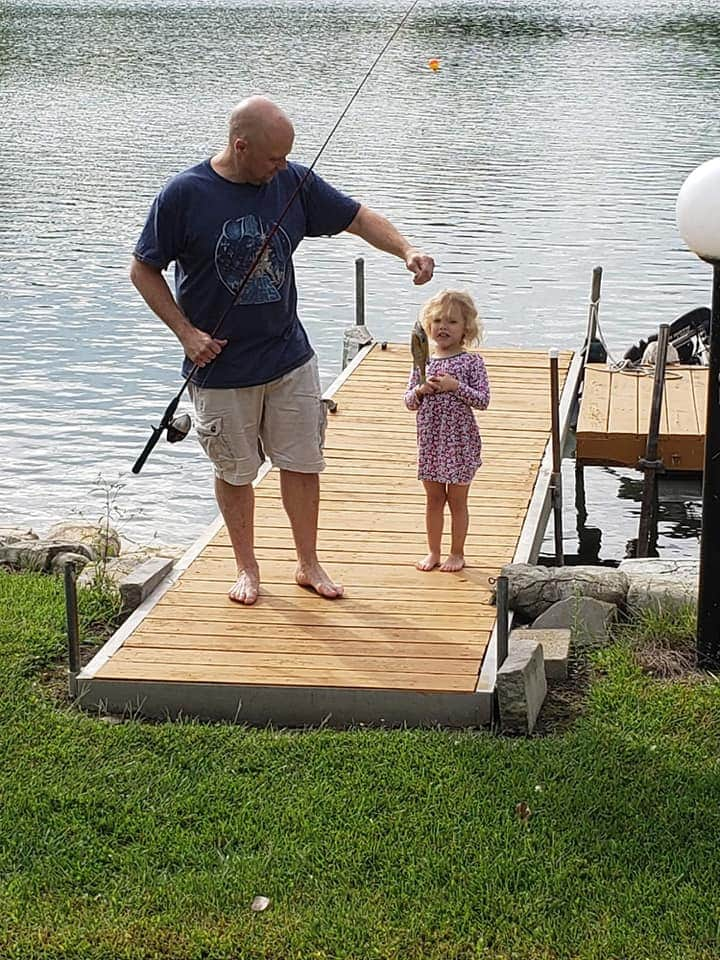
9,535
661,584
661,593
556,648
38,554
587,619
533,589
521,687
655,566
57,564
103,539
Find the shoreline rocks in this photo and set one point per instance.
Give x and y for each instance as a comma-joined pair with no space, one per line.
96,550
634,585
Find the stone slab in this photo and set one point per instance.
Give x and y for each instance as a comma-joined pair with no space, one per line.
140,582
555,645
521,687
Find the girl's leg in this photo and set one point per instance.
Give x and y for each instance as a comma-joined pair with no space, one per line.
434,515
457,496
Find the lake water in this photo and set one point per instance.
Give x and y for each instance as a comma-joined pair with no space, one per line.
554,137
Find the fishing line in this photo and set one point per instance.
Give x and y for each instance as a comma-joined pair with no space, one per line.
179,431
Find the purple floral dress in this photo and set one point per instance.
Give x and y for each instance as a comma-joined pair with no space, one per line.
448,437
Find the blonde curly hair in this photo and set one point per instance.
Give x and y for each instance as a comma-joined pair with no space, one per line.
443,302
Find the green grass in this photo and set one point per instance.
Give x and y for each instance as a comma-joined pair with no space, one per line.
147,841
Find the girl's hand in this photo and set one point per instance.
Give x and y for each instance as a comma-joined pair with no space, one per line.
445,383
426,389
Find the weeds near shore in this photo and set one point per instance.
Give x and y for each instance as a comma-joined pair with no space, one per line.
663,640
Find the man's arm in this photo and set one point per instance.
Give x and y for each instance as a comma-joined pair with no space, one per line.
379,232
150,283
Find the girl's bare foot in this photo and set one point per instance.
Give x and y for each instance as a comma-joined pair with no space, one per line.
429,562
245,589
455,561
316,578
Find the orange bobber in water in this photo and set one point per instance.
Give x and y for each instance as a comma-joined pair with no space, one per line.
434,64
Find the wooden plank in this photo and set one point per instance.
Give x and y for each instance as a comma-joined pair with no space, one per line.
226,631
680,404
279,662
646,385
410,490
372,539
337,648
595,406
209,609
623,416
699,379
201,673
506,518
377,553
209,574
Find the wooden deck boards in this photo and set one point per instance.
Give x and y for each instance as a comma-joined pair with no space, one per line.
396,628
615,414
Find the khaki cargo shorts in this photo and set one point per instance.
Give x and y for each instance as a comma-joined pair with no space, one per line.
287,416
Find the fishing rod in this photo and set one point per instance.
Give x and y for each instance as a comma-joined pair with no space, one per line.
178,428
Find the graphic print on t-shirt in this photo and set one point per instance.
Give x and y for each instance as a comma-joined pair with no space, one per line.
236,249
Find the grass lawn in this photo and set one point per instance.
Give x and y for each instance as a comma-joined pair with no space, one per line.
141,841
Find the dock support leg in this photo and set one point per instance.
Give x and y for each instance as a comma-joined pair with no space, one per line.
650,464
358,336
580,500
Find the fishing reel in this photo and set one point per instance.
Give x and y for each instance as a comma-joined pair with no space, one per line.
179,428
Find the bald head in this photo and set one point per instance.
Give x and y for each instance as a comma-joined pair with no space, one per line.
258,118
260,137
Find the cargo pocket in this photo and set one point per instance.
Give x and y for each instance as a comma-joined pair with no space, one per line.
210,435
322,424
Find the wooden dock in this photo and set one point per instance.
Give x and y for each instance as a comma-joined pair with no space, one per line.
402,647
615,413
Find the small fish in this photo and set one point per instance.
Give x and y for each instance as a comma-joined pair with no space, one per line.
434,64
419,349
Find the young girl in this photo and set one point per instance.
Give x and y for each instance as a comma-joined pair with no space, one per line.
448,436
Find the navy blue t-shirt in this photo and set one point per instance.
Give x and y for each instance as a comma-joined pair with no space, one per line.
213,228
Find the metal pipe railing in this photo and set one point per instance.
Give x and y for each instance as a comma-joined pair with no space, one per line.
502,619
359,291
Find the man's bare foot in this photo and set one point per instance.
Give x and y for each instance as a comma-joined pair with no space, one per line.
316,578
455,561
245,589
429,562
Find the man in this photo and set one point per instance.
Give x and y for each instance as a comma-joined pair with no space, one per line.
258,376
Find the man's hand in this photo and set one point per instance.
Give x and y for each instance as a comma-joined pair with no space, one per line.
199,346
421,265
444,383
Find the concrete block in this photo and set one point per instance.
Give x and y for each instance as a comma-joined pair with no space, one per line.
137,585
521,686
556,649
